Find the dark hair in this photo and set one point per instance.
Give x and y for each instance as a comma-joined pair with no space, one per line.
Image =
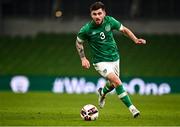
96,6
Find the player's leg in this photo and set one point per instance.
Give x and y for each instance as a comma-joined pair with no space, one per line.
103,68
106,89
122,94
102,93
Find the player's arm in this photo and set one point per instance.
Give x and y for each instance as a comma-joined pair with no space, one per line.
80,48
130,34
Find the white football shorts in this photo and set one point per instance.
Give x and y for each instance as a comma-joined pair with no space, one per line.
104,68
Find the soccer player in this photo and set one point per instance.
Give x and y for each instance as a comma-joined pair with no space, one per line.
98,33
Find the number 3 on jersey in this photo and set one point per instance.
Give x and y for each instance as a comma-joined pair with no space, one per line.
102,35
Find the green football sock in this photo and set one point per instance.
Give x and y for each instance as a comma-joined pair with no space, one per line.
122,94
107,88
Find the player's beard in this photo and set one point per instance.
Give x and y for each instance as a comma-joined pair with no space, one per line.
98,21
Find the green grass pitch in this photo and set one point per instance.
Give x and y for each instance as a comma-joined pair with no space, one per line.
45,108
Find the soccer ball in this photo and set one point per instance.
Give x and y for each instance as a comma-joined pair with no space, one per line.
89,112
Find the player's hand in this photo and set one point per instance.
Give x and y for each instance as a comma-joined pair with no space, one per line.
85,63
140,41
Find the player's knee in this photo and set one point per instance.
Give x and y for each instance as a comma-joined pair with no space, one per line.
114,79
115,82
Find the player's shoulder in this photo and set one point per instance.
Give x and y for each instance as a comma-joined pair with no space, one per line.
109,18
86,26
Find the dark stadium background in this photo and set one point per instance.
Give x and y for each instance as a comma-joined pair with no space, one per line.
37,38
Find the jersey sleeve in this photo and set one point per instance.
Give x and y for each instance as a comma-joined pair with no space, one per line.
116,25
82,35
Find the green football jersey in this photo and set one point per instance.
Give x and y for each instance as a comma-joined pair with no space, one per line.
101,40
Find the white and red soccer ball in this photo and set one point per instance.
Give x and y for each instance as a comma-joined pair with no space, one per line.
89,112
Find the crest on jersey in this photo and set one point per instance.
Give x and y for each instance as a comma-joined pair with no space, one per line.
108,28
